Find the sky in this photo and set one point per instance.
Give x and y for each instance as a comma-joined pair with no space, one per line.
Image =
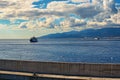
22,19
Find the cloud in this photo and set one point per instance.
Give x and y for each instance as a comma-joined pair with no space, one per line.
25,10
61,9
10,9
80,1
39,24
2,26
3,4
72,22
99,13
87,11
116,18
109,5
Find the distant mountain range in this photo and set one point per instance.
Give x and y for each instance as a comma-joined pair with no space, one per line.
104,32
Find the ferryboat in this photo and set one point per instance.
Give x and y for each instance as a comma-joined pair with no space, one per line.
33,39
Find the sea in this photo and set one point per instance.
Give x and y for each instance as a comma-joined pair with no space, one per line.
61,50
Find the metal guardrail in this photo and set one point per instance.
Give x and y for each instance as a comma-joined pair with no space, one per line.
60,68
44,75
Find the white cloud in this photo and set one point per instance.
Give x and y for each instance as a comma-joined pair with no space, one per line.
116,18
3,26
11,8
79,1
72,22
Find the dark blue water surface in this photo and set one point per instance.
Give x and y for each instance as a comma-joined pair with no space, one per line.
61,50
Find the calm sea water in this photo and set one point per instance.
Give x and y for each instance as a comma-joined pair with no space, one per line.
61,50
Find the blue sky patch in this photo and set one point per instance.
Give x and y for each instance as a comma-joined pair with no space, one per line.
75,16
42,19
4,21
117,1
42,4
19,21
57,21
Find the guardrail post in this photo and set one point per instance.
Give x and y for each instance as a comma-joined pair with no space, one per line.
34,77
